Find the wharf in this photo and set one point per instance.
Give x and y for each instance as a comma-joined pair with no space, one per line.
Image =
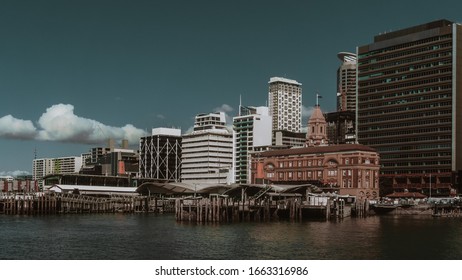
66,203
225,209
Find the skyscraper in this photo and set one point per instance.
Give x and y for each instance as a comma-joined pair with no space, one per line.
285,104
346,82
410,106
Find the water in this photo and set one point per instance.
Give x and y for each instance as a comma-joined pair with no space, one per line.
140,237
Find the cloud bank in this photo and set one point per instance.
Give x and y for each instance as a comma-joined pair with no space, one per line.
14,173
59,123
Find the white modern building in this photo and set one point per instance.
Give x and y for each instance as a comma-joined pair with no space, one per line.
285,104
62,165
207,152
252,129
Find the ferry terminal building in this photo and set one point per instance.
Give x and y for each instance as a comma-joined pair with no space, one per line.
349,169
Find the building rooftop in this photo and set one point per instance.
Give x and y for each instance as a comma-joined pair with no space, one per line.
347,56
283,80
418,28
166,131
319,150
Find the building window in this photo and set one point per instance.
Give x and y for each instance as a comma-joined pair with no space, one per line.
332,173
319,175
290,175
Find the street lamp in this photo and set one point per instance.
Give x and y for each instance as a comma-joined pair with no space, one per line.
430,185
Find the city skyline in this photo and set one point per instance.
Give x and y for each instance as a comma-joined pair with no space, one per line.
74,74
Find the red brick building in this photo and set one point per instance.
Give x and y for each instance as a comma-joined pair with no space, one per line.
349,168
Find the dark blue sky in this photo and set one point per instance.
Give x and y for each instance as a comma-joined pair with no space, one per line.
75,72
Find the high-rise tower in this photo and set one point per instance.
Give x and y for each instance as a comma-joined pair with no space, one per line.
285,104
346,82
410,105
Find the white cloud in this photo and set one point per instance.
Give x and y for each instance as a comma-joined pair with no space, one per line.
160,116
307,111
59,123
224,108
14,173
13,128
189,130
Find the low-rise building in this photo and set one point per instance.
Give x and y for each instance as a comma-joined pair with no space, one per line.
349,168
62,165
160,155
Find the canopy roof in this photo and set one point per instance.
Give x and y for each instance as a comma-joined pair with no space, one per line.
406,195
178,188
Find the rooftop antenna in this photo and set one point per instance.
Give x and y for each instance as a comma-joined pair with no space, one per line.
240,104
317,98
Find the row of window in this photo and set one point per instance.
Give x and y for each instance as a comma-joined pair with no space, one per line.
416,99
409,60
319,162
425,122
406,53
416,163
414,147
402,133
417,171
416,155
446,87
407,84
347,183
400,110
383,141
405,76
406,69
446,37
404,117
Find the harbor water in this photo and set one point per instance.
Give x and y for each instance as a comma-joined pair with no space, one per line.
153,237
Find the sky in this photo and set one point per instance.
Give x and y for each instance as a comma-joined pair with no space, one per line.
75,73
